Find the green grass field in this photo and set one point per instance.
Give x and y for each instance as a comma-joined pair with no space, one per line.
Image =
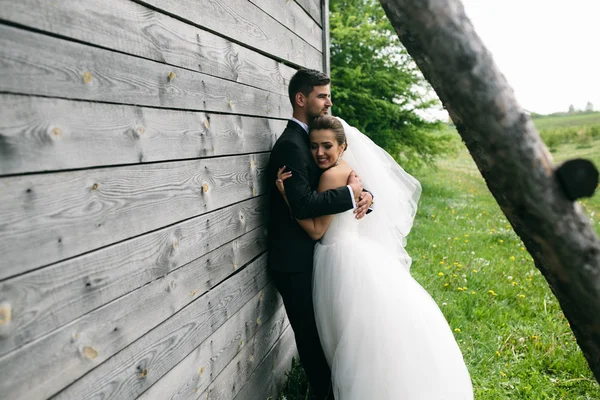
514,337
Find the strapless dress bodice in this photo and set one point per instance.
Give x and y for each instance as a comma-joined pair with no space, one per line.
343,227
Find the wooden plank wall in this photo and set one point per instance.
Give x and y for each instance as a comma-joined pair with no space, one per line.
134,136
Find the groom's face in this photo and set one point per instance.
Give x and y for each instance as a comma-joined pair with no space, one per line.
318,102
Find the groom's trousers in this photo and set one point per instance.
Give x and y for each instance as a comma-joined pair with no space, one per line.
296,290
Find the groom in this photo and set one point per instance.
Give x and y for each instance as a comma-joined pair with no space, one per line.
290,257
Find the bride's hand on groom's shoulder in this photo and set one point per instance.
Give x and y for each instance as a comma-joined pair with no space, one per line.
282,175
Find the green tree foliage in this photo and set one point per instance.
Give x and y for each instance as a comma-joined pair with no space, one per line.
377,87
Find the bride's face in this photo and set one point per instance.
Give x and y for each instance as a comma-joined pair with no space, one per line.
324,147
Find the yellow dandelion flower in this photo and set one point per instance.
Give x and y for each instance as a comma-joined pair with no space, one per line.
441,262
492,292
459,264
460,289
446,284
454,275
440,274
473,292
492,230
455,263
512,258
466,241
466,235
514,283
452,211
507,226
455,238
476,271
503,374
522,296
498,353
456,329
522,248
501,241
465,288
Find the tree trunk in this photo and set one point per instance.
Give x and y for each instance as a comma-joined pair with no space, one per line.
511,156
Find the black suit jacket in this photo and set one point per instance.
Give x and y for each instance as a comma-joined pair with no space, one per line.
290,247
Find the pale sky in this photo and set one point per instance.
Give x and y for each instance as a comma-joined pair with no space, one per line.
549,50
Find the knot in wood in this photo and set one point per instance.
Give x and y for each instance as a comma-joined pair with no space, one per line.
89,352
171,75
5,313
87,77
577,178
95,186
205,187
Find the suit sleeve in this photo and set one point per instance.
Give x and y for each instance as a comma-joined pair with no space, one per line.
304,201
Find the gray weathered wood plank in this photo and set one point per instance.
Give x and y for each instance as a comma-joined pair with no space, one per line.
124,375
325,38
65,214
41,134
268,379
242,372
243,22
129,27
48,298
313,8
242,336
37,64
293,17
49,364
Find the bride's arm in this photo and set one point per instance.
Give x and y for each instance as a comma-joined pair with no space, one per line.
330,179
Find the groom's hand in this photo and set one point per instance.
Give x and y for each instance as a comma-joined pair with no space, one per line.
366,200
355,185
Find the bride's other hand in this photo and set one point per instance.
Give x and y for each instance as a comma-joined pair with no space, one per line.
282,176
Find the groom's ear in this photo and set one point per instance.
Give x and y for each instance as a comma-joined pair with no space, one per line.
300,99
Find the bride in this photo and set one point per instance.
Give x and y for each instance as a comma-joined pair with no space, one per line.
383,335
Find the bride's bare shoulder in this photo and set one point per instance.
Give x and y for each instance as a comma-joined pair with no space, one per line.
335,177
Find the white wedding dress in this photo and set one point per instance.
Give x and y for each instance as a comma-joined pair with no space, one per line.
383,335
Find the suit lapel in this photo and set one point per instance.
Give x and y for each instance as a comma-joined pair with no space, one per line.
314,173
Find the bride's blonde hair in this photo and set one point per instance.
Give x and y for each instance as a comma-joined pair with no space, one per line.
332,124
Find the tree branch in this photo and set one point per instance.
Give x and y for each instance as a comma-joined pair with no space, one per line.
511,156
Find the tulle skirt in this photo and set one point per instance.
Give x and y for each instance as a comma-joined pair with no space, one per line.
383,335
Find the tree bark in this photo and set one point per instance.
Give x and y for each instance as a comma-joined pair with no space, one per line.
511,156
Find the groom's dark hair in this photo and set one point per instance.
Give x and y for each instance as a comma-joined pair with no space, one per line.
304,81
